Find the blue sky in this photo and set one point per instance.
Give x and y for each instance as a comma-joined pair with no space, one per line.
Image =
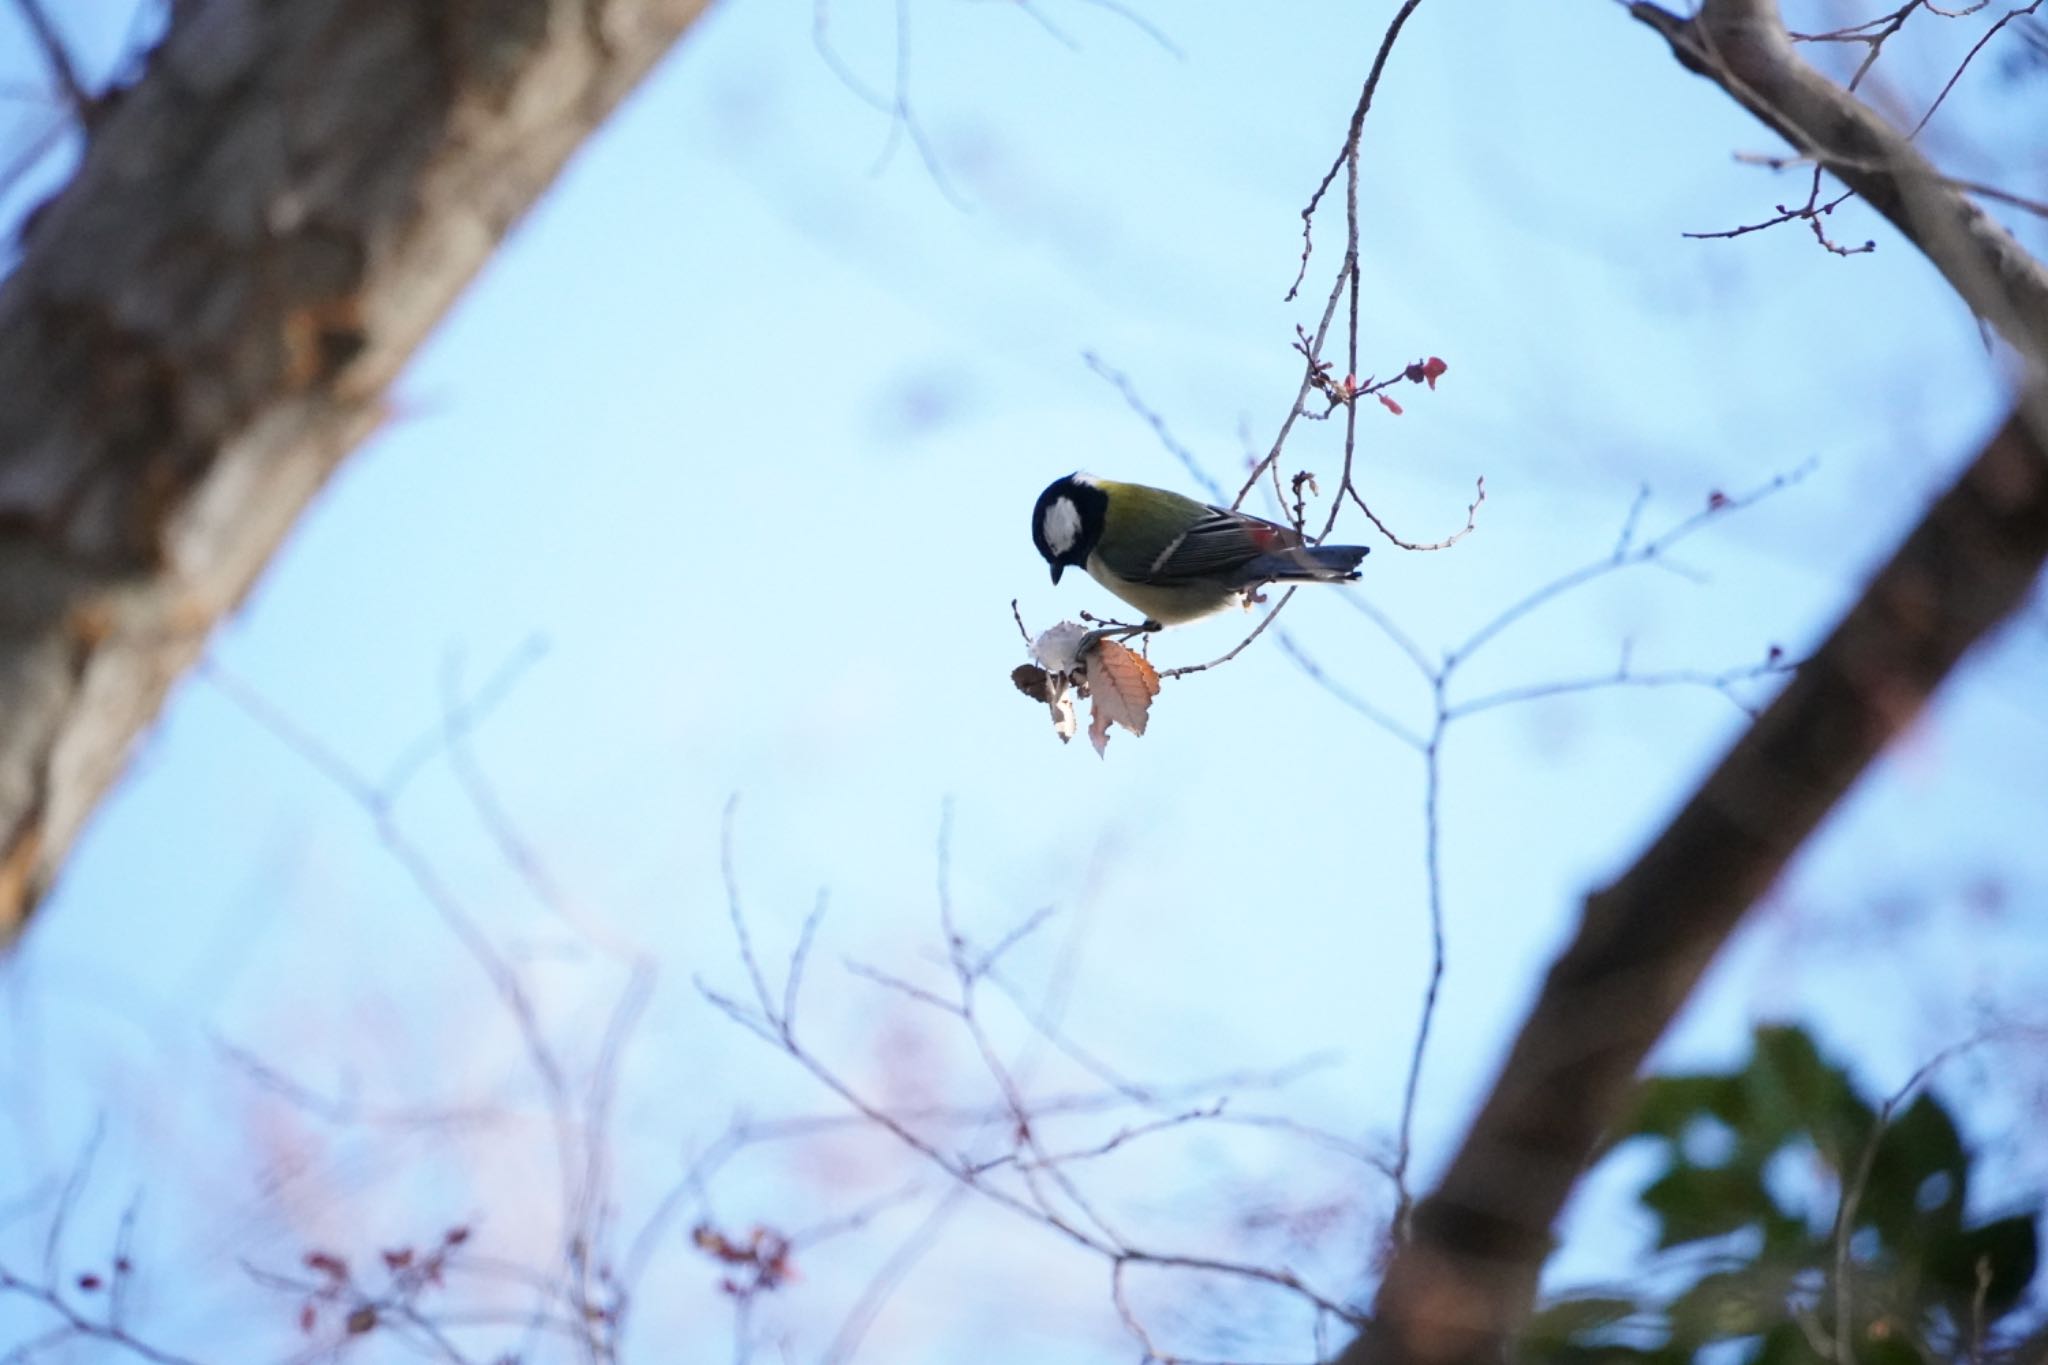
745,427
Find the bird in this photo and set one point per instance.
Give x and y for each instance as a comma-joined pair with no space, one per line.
1171,557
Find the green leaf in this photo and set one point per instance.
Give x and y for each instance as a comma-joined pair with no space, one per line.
1539,1353
1795,1092
1785,1344
1918,1271
1692,1202
1567,1320
1791,1240
1893,1348
1668,1105
1730,1303
1918,1151
2009,1251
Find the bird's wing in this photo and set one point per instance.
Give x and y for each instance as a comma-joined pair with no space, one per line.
1219,545
1141,525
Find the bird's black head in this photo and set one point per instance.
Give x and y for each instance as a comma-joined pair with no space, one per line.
1068,521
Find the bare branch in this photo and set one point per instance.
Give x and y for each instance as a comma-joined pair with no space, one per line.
1240,646
903,121
1463,1285
1742,46
1626,675
1432,864
49,1293
1350,148
74,1324
1628,552
1471,520
1049,1197
1971,56
889,1277
580,1294
762,1000
341,1110
83,102
1322,678
1145,26
2038,208
1158,424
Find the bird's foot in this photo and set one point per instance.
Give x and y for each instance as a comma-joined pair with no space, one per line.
1117,630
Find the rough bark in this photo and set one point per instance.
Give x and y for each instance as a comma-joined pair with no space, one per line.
1742,46
1461,1287
203,322
1459,1290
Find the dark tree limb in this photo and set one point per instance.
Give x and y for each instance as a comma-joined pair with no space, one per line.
204,321
1458,1291
1743,47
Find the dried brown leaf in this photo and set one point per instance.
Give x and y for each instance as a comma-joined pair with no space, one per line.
1055,691
1064,722
1098,729
1121,684
1033,681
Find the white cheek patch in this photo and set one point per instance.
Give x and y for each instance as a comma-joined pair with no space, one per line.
1062,525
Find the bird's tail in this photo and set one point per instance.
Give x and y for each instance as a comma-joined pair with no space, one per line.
1306,564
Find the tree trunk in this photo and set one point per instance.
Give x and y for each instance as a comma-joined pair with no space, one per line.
1458,1292
205,320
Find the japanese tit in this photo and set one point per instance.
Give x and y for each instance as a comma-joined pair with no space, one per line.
1171,557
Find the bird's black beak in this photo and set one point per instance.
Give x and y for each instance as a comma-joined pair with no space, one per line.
1056,570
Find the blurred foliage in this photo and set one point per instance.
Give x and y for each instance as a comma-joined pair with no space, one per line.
1795,1217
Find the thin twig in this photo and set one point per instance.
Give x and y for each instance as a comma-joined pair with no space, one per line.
580,1129
1432,862
1143,25
1372,81
1625,675
889,1277
83,103
1156,422
74,1324
1317,674
1778,162
1625,555
1240,646
1050,1198
1471,520
1971,56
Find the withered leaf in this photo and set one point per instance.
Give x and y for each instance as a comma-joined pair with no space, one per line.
1058,648
1033,681
1064,721
1121,684
1052,689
